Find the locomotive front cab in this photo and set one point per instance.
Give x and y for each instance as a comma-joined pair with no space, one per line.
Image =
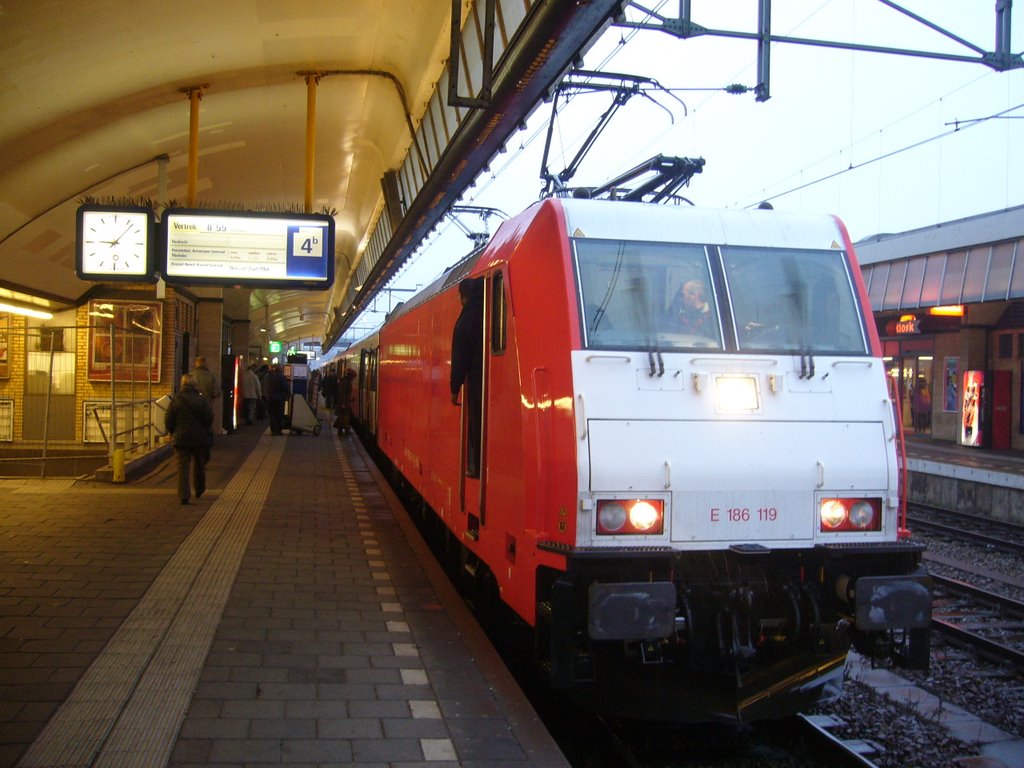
737,510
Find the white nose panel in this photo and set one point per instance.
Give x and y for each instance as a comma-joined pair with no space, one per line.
739,481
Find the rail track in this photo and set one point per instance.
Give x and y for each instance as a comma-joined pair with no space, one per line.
831,750
971,616
996,534
989,623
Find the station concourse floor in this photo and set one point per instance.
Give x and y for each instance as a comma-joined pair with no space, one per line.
290,616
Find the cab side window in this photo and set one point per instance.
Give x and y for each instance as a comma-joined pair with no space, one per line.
499,315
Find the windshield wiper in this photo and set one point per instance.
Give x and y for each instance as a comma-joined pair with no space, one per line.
652,355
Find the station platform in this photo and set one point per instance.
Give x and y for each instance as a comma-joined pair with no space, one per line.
1004,468
972,480
291,615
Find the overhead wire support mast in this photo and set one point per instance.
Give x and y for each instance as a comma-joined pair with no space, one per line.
1001,59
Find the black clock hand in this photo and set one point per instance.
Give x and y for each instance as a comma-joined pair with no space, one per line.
118,240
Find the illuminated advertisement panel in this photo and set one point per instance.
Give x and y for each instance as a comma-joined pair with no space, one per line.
284,250
973,410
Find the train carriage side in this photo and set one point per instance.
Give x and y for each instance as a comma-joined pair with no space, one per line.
417,427
736,470
494,519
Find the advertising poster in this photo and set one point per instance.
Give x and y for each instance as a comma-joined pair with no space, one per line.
136,340
950,388
973,406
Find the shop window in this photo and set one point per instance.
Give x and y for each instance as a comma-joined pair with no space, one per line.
49,399
6,420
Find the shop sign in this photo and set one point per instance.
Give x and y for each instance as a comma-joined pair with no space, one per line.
907,325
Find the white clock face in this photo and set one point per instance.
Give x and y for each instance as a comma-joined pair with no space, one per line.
115,242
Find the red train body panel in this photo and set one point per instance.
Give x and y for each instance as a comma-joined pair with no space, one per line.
528,448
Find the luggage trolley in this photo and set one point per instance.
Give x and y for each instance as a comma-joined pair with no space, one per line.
299,417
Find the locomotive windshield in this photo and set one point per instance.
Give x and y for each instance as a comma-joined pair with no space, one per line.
644,295
665,296
787,300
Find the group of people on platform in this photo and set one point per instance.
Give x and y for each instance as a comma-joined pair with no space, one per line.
190,417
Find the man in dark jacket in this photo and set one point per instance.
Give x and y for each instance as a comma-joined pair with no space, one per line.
209,387
467,364
329,387
277,394
189,420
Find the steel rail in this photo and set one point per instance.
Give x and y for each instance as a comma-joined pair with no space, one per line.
996,542
962,636
982,645
828,748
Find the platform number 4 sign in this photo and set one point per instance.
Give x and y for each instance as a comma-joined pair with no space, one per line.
308,241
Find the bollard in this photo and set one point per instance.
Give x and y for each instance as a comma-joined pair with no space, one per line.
118,465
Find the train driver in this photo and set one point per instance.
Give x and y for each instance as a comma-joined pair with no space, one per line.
689,312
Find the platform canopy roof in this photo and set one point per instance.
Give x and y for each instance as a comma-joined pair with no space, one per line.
96,104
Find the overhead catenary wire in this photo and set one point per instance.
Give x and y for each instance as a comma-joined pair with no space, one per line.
959,127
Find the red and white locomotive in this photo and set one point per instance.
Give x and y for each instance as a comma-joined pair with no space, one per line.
690,465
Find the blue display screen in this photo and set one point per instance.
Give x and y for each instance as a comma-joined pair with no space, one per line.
247,249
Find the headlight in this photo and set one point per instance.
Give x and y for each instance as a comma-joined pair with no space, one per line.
611,517
833,513
851,515
643,516
737,394
630,516
862,515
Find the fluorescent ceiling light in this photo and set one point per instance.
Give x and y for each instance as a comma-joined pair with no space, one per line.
37,313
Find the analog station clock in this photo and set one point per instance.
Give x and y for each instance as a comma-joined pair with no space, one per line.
114,243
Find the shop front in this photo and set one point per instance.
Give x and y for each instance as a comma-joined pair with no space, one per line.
908,364
920,361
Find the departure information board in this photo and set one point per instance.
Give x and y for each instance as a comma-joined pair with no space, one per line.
248,249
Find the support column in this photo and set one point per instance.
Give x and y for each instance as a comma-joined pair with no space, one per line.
240,339
209,335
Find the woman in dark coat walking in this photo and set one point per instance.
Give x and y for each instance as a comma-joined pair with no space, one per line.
189,420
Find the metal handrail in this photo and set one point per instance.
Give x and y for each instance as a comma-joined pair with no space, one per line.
130,446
